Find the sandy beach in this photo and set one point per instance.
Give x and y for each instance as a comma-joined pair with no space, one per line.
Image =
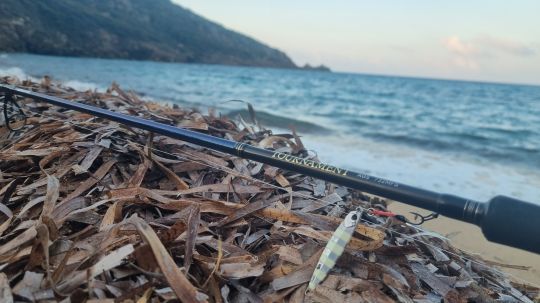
469,238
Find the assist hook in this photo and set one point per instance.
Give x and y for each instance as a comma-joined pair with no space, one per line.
10,106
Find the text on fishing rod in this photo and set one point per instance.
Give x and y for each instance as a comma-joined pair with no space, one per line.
310,163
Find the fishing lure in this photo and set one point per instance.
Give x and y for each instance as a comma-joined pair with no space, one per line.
334,248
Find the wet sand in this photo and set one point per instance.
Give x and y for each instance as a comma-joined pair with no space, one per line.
469,237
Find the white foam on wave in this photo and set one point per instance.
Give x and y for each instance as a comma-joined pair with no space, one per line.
16,72
20,74
468,177
82,86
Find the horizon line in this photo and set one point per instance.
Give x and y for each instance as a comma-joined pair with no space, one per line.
299,68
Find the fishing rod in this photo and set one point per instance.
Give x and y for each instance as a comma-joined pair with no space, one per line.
503,220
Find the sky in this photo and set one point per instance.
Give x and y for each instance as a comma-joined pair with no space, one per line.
479,40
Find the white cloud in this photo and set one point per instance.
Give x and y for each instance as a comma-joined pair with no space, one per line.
465,53
470,53
455,45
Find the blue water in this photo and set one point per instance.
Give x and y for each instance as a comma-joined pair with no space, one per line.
472,138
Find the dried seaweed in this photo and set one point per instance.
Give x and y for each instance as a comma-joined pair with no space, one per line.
95,211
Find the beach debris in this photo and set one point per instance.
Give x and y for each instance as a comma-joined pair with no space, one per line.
93,211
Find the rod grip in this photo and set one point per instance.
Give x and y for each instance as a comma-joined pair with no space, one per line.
512,222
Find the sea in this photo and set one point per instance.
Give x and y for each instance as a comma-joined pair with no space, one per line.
471,139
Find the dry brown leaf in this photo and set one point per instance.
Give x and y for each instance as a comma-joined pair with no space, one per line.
177,280
301,275
110,215
53,193
193,222
188,166
290,254
7,212
281,180
325,294
429,278
215,188
139,174
233,259
180,184
12,246
21,155
109,261
244,211
146,296
91,181
193,124
45,160
376,296
241,270
90,157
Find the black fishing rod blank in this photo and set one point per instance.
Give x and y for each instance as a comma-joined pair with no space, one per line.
503,220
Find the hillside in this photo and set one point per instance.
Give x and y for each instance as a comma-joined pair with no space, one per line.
128,29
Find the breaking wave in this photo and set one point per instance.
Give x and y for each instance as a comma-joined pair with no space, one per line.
277,121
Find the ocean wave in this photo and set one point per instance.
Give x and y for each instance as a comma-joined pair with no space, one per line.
16,72
409,140
82,86
467,175
526,156
272,120
19,73
470,136
506,129
373,113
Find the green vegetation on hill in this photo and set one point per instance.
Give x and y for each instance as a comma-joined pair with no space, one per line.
129,29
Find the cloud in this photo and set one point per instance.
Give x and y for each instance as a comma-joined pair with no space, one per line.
465,53
506,46
469,53
455,45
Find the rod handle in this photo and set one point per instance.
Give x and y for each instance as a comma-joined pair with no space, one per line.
512,222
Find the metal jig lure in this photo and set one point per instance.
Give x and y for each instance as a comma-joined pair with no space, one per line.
335,247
